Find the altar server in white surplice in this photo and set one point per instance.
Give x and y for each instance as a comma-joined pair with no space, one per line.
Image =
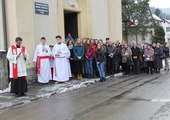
61,53
42,57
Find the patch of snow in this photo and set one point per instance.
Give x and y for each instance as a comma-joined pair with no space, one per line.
7,90
26,101
118,75
6,104
1,50
46,95
58,89
160,100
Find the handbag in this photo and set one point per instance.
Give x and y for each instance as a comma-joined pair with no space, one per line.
130,61
148,59
163,56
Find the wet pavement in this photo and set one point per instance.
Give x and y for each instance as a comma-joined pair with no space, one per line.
138,97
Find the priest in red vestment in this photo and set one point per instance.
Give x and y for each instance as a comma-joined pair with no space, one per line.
17,56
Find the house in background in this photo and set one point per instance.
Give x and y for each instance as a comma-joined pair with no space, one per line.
141,39
166,26
148,38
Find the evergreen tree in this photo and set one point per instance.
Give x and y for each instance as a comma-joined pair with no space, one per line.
160,13
136,18
157,12
159,35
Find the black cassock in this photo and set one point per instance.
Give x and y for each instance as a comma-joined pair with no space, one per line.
19,85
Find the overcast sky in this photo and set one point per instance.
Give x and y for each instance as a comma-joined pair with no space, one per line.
160,3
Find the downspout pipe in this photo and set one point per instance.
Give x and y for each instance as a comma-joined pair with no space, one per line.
5,31
4,25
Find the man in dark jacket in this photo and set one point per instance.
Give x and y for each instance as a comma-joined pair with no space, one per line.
136,58
110,49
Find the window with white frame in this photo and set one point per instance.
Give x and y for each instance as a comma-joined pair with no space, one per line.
167,29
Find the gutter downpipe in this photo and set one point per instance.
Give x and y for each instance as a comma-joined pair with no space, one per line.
4,25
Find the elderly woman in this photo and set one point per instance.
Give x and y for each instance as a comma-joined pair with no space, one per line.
149,57
126,53
166,52
158,61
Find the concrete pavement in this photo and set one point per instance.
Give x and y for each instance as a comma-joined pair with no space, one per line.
139,97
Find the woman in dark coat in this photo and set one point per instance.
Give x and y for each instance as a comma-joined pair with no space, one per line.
144,64
72,65
100,58
158,61
166,52
117,58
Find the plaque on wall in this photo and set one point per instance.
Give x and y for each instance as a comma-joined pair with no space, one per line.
41,8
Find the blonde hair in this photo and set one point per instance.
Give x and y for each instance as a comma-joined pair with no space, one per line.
167,45
77,41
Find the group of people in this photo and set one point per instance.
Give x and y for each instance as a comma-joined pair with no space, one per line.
116,57
85,57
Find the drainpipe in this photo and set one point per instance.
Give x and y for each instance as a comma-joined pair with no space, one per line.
4,25
5,32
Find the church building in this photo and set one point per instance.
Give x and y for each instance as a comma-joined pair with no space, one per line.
33,19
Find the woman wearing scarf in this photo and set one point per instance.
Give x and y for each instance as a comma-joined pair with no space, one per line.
149,57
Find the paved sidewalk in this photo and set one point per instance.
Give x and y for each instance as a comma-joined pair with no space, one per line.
36,92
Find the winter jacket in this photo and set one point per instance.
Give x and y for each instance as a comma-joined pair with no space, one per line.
100,56
166,52
126,53
71,51
78,51
94,48
89,54
110,49
158,60
136,52
149,54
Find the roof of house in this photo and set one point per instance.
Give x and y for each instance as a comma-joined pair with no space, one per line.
159,19
156,17
168,21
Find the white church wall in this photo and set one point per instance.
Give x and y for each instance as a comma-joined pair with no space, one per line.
69,3
46,25
100,19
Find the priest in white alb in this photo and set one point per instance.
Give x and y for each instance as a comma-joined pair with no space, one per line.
42,58
61,53
17,56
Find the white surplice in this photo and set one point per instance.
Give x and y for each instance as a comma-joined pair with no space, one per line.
21,61
45,67
61,63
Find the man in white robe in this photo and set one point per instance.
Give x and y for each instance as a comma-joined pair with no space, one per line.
61,54
17,56
42,58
